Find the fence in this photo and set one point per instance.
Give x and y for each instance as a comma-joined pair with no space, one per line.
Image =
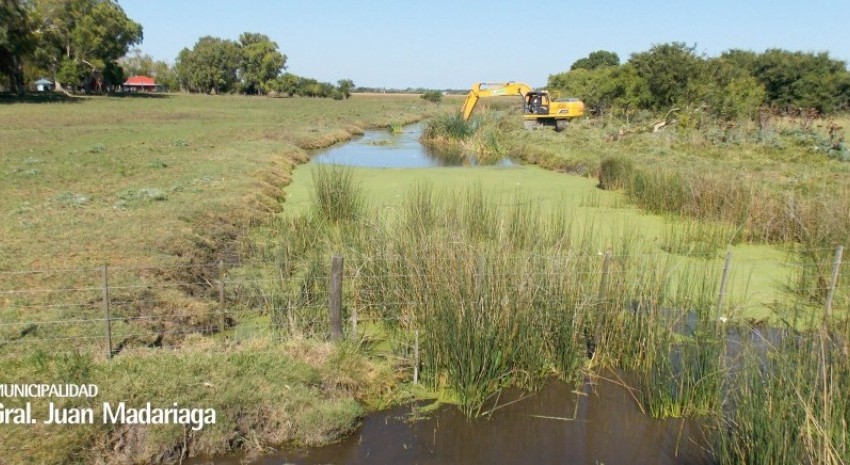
108,309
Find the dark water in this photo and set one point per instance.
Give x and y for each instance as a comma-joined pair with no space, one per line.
600,424
381,149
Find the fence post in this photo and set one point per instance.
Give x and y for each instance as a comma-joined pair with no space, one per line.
335,300
354,322
221,302
107,318
833,283
416,357
723,280
606,270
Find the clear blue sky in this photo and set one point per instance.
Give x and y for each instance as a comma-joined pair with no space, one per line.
453,43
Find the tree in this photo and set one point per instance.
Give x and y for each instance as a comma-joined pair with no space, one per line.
16,41
673,72
210,66
596,59
166,77
603,88
797,79
136,63
287,84
261,62
345,86
78,38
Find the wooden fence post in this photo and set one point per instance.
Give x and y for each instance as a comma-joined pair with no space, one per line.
335,300
107,317
416,357
221,300
606,270
723,280
833,283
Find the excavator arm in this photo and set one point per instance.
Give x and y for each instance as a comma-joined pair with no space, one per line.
492,89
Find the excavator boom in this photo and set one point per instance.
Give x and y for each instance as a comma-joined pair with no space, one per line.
492,89
537,108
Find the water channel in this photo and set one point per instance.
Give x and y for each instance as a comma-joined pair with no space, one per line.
597,422
383,149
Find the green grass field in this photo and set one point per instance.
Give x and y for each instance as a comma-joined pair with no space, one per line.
157,188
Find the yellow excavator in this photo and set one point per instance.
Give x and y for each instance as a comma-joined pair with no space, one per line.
538,109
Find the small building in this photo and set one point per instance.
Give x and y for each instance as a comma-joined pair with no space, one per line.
43,85
140,84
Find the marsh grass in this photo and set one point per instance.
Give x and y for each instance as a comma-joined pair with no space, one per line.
502,295
505,294
336,195
790,404
481,140
698,238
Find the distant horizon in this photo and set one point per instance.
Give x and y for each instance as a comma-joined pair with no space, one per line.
450,45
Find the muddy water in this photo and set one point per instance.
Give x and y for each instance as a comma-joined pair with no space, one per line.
599,424
381,149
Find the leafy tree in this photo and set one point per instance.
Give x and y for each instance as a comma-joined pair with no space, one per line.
288,84
136,63
603,88
261,62
673,72
16,40
797,79
345,86
597,59
210,66
165,76
728,90
82,37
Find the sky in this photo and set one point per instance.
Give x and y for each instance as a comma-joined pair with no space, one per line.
451,44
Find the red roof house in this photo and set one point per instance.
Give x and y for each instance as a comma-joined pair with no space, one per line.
140,83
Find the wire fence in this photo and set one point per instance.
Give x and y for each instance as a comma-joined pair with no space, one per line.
109,309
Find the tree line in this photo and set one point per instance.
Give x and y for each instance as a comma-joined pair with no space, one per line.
253,65
736,84
76,42
87,45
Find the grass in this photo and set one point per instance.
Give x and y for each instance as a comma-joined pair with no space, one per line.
496,307
499,269
505,287
167,183
777,182
160,189
264,392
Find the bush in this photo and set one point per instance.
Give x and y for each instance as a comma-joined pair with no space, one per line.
614,173
433,96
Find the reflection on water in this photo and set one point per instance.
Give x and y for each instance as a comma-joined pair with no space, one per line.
381,149
600,424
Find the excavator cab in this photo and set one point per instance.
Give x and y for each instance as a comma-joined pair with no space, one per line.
536,103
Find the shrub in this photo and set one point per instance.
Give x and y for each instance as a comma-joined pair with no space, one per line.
433,96
614,173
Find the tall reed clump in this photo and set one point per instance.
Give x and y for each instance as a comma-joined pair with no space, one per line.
790,405
481,140
336,195
615,172
447,129
500,295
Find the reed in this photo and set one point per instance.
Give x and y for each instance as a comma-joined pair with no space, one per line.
336,194
502,295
